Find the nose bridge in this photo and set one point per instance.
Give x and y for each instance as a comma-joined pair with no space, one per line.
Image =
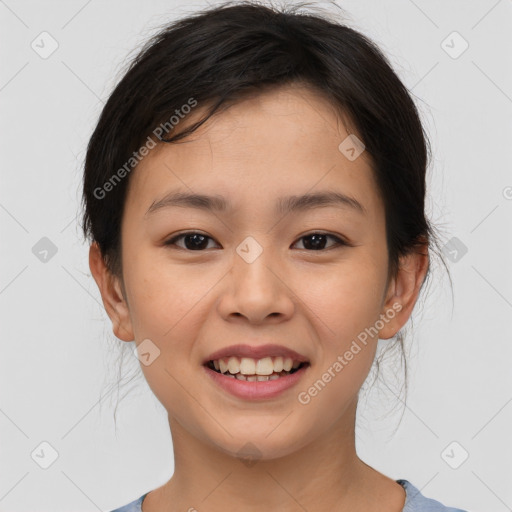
256,290
250,250
251,263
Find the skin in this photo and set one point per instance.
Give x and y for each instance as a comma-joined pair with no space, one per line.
191,303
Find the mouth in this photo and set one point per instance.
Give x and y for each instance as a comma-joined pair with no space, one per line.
256,370
255,380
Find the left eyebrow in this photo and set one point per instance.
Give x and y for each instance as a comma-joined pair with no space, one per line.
284,205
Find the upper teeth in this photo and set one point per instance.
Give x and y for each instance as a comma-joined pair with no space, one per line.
250,366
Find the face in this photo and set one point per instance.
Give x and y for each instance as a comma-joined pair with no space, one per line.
310,278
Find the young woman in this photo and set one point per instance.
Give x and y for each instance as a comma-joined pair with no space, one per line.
254,197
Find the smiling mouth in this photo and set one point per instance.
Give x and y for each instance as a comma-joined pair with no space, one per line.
256,377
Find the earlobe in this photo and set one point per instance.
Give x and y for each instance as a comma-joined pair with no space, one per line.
403,292
111,294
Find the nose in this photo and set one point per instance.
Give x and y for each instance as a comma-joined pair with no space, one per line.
257,289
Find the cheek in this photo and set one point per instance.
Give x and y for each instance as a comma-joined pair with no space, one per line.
165,297
345,307
345,298
169,308
168,305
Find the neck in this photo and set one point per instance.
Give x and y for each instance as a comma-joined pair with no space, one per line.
325,473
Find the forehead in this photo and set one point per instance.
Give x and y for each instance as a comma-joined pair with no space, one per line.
279,142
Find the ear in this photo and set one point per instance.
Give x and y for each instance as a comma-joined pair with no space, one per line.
403,291
114,301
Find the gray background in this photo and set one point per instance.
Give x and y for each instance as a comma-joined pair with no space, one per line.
58,353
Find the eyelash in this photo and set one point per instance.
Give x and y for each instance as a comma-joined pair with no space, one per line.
339,241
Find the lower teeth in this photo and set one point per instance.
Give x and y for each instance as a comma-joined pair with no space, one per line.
259,378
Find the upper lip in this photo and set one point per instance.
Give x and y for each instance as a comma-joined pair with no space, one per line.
256,352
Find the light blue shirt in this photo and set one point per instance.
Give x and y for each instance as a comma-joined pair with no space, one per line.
414,502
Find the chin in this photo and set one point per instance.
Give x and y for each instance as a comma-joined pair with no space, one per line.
260,445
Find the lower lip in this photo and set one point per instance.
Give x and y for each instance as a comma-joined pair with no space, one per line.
255,390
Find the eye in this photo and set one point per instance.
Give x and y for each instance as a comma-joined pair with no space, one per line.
194,241
316,241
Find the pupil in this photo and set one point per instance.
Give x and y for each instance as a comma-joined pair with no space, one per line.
201,245
316,241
